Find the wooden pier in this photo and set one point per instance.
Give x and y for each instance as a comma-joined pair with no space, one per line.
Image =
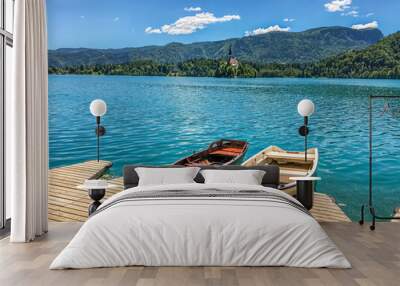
67,203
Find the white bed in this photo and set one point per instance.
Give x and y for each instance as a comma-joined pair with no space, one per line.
208,230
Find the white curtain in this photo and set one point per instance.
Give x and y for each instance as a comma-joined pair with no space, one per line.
26,123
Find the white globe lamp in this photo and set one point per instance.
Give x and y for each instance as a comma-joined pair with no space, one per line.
98,107
305,107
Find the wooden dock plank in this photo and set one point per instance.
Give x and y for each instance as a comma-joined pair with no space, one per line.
67,203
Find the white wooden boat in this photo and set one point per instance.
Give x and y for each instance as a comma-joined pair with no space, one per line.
291,164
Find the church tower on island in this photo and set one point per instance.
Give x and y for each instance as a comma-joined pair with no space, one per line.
232,61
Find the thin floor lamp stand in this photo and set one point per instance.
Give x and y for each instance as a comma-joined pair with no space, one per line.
98,138
303,131
306,131
370,205
100,131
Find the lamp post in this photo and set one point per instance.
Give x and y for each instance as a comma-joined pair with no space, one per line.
98,108
306,109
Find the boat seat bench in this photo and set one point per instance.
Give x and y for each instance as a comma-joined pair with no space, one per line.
225,153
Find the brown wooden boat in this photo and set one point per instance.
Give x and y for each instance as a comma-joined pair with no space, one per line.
221,152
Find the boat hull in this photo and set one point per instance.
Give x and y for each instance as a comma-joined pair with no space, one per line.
222,152
291,163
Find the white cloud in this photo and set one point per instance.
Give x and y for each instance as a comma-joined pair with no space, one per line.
116,19
82,17
150,30
190,24
192,9
289,20
352,13
260,31
372,25
370,14
338,5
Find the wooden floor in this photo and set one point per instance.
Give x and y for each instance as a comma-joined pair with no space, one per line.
67,203
375,258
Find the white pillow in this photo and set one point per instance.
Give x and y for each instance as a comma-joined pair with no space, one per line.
166,176
244,177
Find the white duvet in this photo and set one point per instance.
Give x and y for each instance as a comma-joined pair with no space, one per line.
200,231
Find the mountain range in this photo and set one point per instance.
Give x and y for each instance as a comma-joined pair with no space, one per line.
275,47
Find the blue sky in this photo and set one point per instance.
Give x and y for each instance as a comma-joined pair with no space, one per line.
134,23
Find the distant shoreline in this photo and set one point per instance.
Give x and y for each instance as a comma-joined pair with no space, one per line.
211,77
237,77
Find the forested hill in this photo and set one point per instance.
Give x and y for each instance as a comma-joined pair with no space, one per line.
275,47
381,60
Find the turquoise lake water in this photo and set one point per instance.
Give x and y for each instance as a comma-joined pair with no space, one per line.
157,120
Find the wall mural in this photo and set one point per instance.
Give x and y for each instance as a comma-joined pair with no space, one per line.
217,83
